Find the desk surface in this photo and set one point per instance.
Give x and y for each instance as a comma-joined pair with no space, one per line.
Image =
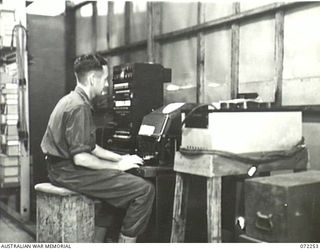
151,171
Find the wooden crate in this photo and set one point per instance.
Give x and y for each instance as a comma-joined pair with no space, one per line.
283,208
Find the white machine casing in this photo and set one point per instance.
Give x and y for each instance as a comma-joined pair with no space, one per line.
246,132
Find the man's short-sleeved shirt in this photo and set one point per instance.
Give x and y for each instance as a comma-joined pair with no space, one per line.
70,129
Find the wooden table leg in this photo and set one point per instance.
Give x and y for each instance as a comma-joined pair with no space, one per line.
214,209
180,208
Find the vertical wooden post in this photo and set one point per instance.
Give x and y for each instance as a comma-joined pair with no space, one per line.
200,56
235,34
180,208
70,44
159,15
24,144
110,33
279,36
154,28
157,29
150,34
127,28
94,27
214,209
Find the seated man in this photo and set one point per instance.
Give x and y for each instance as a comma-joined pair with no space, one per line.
77,163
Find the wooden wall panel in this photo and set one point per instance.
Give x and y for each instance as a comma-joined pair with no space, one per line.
183,63
217,10
83,34
118,27
301,91
266,89
301,43
138,24
178,15
217,66
256,59
248,5
301,69
102,24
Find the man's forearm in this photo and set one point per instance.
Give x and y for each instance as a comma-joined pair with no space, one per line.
105,154
93,162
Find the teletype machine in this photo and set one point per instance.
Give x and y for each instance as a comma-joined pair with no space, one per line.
159,135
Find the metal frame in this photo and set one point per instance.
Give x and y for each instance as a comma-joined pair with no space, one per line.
24,157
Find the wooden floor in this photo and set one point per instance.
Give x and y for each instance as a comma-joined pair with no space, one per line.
11,233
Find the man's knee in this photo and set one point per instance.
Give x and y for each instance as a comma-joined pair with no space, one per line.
149,189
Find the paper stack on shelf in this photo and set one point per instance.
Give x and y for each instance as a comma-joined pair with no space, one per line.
9,171
7,23
9,137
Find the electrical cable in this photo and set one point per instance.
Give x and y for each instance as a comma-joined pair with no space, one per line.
195,109
251,158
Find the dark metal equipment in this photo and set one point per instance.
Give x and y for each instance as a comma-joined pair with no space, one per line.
159,137
137,90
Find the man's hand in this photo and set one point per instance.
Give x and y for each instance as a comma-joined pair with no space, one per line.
129,161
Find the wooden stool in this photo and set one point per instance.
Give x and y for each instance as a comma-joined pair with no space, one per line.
214,167
63,216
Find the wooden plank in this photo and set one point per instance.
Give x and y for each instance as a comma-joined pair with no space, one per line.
180,208
208,165
279,50
150,41
153,23
157,29
214,209
94,27
24,184
24,162
227,21
127,27
200,56
110,18
207,26
78,6
70,43
214,165
235,40
110,33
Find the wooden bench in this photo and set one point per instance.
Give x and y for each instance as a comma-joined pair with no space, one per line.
63,216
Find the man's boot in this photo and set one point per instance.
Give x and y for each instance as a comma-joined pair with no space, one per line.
126,239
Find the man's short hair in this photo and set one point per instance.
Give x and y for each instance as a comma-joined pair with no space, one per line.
86,63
